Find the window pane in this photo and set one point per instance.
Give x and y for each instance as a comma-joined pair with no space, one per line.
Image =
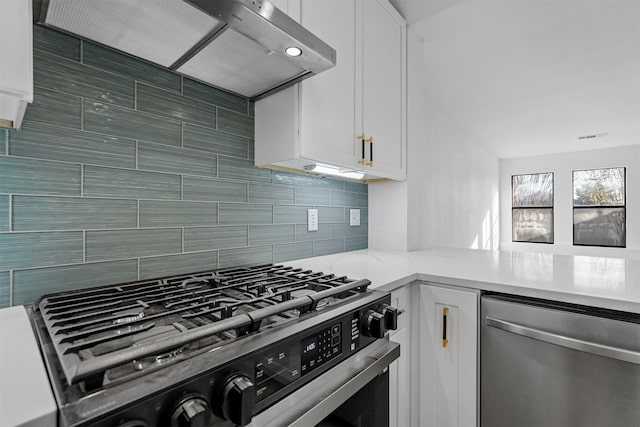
532,225
599,187
532,190
599,227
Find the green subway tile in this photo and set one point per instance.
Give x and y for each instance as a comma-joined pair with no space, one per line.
329,215
245,256
18,175
234,168
55,143
328,247
165,214
53,72
20,250
57,43
28,285
270,193
212,95
282,253
58,108
290,214
72,213
3,141
172,265
112,120
287,178
343,198
303,235
163,158
252,149
355,243
269,234
330,184
362,200
345,230
197,188
110,60
205,139
356,187
240,213
4,213
120,244
99,181
312,196
240,124
252,108
5,289
169,104
222,237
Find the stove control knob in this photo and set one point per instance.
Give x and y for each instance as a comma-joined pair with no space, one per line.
374,325
390,316
192,411
238,397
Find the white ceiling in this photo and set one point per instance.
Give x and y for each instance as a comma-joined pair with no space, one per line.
528,77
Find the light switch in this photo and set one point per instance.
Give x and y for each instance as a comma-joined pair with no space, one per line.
312,220
354,217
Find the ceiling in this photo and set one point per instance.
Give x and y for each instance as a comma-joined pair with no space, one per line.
529,77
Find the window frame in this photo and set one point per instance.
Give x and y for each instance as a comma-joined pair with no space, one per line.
552,208
623,207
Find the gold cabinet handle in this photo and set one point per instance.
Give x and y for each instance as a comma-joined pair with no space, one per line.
362,138
445,341
370,141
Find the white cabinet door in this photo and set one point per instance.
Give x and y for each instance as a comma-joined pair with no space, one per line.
383,62
327,114
448,357
399,377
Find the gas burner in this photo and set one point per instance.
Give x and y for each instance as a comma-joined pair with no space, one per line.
108,334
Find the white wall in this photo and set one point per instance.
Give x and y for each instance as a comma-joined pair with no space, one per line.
460,179
450,198
562,166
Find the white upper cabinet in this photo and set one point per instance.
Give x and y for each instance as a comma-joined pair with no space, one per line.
16,61
326,118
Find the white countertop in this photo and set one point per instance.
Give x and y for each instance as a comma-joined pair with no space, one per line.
612,283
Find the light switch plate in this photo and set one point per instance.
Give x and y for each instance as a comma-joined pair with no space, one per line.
354,217
312,220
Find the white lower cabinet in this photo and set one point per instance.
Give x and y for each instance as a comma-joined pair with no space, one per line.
399,377
447,341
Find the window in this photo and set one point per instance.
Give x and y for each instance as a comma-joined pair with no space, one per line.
599,212
532,208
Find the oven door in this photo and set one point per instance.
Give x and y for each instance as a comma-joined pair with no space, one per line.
353,393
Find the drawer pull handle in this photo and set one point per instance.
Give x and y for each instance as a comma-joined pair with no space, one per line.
445,313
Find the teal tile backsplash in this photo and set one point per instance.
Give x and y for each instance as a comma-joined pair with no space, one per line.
126,171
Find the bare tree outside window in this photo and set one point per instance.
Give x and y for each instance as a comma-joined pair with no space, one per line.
532,208
599,211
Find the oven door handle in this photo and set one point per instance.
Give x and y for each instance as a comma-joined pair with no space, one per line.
313,402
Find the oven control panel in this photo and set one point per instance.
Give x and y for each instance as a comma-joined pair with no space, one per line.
320,348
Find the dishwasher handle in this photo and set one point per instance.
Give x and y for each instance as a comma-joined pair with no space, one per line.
568,342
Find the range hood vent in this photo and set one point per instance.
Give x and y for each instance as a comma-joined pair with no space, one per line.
237,45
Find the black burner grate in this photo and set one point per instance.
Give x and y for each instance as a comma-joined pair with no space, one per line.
101,334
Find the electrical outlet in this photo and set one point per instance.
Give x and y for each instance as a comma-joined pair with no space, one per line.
354,217
312,220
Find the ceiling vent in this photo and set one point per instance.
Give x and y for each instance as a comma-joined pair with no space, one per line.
594,136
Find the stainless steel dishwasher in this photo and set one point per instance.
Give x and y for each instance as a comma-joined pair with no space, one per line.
553,364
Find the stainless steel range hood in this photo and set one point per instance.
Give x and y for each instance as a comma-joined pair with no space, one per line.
237,45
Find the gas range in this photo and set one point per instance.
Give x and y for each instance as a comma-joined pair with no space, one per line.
210,348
